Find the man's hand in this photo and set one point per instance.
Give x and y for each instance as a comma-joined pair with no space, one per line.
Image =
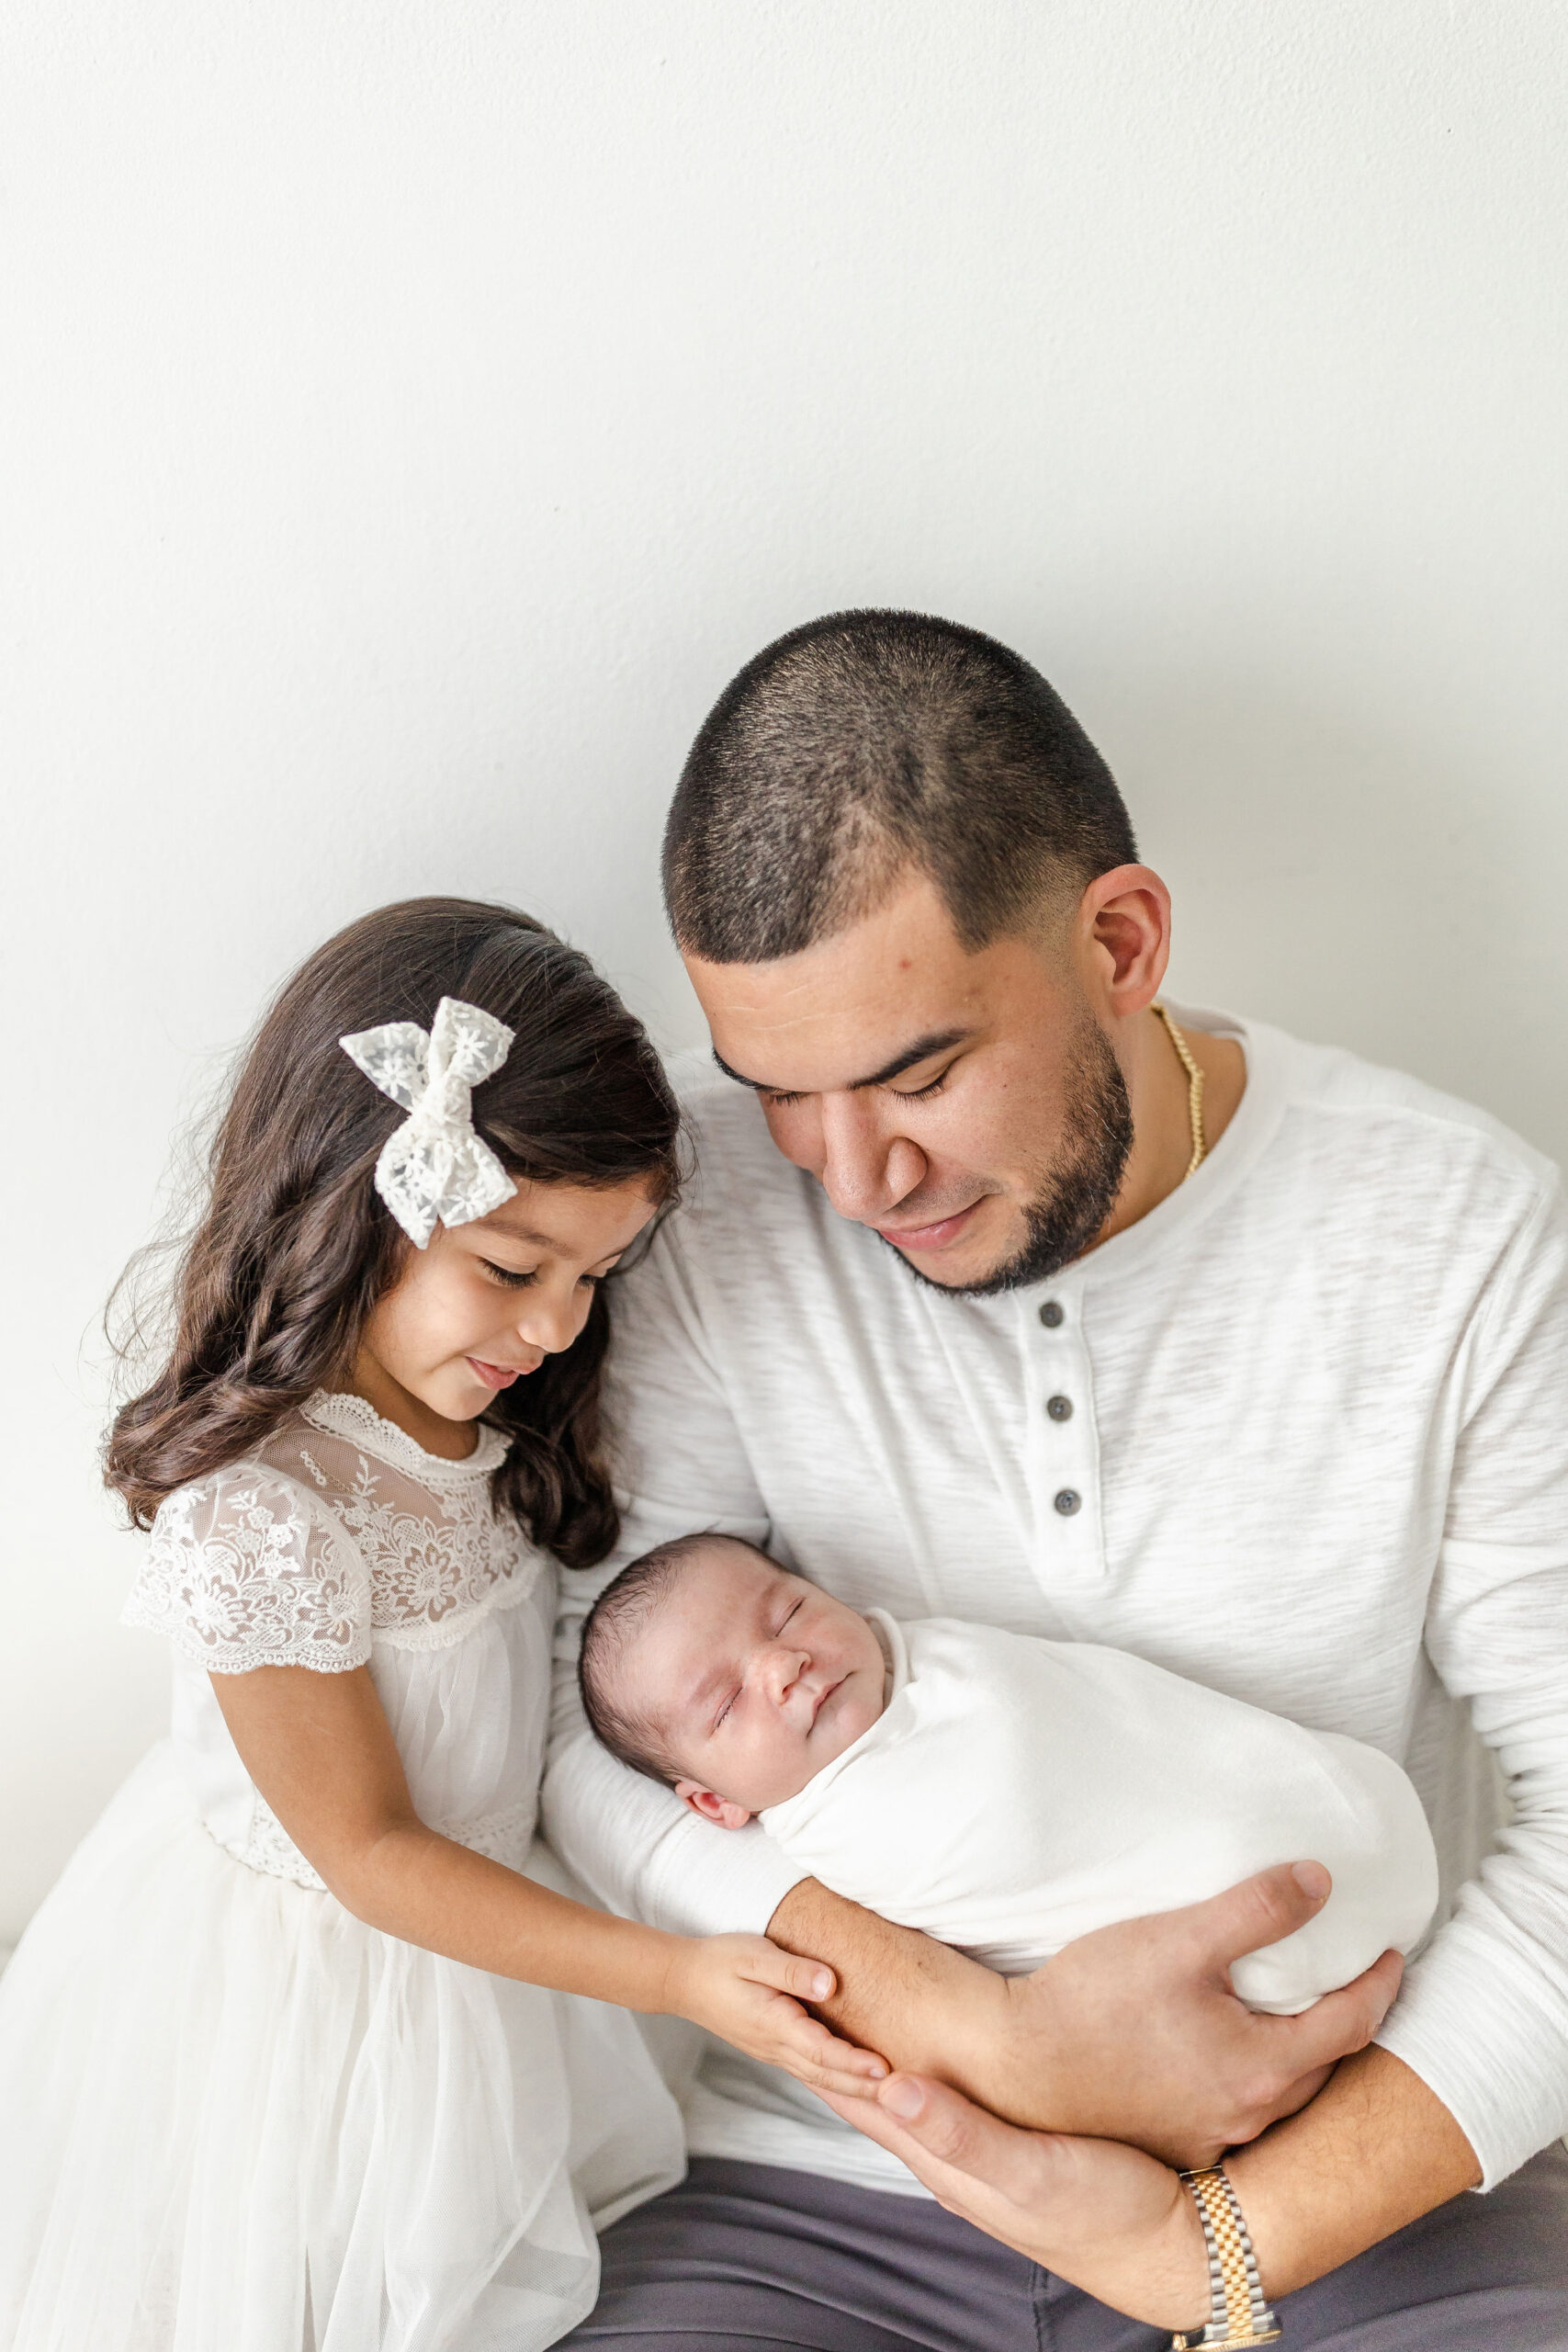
1109,2219
1139,2036
1132,2033
1377,2150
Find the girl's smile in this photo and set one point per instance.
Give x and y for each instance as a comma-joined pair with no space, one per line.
501,1375
485,1304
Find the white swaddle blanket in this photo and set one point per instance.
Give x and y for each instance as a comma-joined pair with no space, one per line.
1016,1793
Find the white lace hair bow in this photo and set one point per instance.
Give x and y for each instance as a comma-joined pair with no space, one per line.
434,1166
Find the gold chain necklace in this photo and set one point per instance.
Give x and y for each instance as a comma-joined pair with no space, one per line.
1195,1092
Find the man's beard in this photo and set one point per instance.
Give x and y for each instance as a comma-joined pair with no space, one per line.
1080,1193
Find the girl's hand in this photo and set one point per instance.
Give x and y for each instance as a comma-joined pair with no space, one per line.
748,1992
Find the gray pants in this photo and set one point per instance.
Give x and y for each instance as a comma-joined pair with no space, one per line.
771,2260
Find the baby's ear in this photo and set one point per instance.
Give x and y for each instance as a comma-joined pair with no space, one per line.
722,1811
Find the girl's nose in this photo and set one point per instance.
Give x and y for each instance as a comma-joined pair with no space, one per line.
553,1323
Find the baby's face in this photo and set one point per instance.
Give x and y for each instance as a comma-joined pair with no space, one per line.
756,1680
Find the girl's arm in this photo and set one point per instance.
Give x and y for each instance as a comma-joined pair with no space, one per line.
320,1750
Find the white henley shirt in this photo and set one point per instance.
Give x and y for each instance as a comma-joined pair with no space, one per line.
1299,1434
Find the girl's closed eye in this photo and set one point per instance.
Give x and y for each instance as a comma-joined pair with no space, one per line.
508,1276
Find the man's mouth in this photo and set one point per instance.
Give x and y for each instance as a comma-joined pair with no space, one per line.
924,1239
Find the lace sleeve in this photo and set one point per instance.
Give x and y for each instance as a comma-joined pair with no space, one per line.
245,1569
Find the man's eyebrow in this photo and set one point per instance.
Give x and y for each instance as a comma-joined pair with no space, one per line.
936,1041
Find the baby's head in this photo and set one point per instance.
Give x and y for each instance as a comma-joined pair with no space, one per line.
710,1668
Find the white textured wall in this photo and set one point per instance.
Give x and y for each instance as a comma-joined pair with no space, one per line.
415,413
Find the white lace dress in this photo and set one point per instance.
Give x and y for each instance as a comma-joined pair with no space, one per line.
233,2117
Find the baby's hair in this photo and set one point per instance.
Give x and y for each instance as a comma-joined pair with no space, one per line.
619,1614
295,1249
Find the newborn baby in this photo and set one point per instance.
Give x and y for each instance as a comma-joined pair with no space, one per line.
1004,1793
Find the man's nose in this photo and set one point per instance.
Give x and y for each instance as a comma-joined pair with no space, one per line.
865,1172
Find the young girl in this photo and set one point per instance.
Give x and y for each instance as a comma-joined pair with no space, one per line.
285,2060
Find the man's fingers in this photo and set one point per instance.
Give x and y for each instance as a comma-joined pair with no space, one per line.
1259,1912
856,2107
1341,2022
1007,2180
1015,2165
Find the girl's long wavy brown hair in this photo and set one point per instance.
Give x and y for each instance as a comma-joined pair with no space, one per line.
295,1248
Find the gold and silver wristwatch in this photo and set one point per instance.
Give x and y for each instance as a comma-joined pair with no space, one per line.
1238,2312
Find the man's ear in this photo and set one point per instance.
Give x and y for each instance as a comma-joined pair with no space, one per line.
721,1811
1122,928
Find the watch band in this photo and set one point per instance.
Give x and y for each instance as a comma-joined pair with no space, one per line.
1238,2312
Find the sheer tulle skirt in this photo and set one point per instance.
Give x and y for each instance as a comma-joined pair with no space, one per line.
232,2118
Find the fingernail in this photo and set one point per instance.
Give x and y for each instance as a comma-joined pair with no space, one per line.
902,2098
1312,1878
821,1986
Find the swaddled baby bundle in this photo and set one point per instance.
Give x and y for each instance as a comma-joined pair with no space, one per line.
1016,1793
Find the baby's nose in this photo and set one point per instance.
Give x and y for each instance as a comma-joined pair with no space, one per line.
784,1670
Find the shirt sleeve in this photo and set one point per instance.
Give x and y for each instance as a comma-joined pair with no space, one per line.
244,1570
684,1466
1482,2017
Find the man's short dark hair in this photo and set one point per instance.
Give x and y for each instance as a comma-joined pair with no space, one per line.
867,744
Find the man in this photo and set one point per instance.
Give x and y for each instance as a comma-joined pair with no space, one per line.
1000,1293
